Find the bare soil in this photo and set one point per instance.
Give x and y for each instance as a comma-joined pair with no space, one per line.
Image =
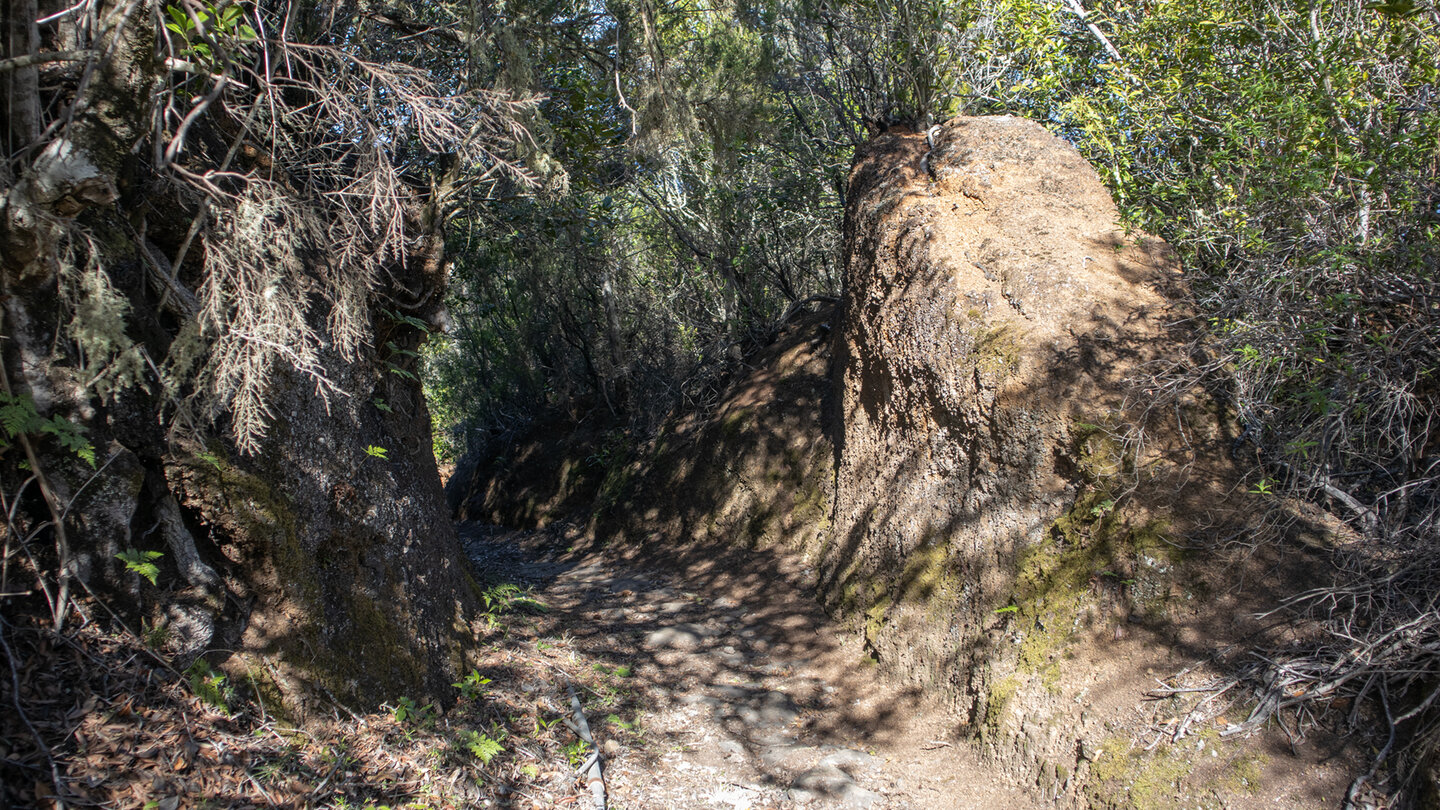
750,697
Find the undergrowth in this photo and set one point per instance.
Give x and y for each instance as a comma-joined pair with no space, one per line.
121,724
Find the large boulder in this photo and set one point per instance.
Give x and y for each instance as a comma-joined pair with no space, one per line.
996,318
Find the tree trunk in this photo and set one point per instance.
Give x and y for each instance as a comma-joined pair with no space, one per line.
324,563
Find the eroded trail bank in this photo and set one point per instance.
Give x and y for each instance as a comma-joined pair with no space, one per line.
744,695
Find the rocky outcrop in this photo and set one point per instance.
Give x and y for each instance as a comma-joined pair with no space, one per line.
1003,487
994,313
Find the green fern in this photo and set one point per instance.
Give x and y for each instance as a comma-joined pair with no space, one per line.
482,746
409,320
17,415
141,562
69,435
209,685
19,418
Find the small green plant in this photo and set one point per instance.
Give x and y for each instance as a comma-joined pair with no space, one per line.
472,686
576,752
400,372
408,711
155,636
209,685
376,451
1262,487
508,596
209,458
409,320
272,771
481,746
632,726
530,770
1301,447
226,25
18,417
141,562
1008,609
396,351
380,404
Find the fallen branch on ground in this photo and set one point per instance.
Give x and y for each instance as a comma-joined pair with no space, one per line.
596,774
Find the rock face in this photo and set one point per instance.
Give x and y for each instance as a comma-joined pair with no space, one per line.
994,313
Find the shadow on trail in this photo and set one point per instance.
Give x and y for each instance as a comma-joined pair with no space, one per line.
733,638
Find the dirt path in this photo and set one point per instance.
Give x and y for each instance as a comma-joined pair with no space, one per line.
751,698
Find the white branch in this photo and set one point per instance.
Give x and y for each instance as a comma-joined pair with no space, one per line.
596,776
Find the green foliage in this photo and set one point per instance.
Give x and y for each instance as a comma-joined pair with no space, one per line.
1102,508
376,451
201,29
697,211
155,636
70,437
621,671
210,686
481,746
17,415
915,61
506,597
407,711
19,418
1277,146
576,752
472,686
141,562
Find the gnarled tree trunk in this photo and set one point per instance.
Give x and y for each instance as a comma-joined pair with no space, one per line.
313,557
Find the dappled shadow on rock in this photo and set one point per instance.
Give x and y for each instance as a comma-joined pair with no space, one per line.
1030,505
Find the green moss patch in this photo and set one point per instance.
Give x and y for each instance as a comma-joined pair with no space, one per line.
1127,778
1001,693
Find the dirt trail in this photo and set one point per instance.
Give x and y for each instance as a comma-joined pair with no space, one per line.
752,699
